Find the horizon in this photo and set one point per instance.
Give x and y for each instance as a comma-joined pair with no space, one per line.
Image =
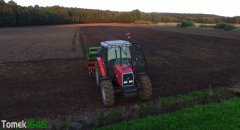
222,8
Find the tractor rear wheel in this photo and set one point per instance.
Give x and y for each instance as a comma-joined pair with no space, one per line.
98,74
107,93
145,87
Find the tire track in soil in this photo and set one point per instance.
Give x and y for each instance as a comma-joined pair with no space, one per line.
78,45
74,41
82,41
78,39
87,40
81,85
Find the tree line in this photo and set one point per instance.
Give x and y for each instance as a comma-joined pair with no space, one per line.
12,14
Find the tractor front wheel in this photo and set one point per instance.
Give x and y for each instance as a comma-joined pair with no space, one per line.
145,88
107,93
98,74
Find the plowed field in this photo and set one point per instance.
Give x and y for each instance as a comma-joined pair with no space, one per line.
42,71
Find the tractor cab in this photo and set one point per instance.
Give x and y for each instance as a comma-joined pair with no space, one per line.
116,53
123,53
121,67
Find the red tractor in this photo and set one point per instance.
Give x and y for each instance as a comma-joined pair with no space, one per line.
121,67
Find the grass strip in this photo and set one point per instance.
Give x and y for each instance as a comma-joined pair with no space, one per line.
213,116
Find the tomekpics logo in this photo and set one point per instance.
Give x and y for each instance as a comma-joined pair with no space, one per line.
30,124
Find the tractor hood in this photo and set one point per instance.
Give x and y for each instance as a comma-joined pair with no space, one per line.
124,75
122,68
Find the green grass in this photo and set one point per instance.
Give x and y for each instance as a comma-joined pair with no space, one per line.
168,24
193,95
238,29
215,116
199,26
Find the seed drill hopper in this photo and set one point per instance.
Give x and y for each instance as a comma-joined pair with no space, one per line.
91,58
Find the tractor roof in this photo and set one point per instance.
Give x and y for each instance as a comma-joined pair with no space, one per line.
114,43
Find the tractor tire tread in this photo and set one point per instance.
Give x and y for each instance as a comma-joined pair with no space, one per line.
109,92
97,72
145,88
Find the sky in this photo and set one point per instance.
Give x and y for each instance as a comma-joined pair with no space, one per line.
218,7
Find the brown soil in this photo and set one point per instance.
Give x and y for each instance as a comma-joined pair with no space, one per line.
37,43
52,81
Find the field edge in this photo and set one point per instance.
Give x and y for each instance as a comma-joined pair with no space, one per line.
161,106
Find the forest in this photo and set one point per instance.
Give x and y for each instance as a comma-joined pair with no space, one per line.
12,14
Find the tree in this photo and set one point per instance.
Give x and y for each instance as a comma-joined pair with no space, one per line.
12,14
8,16
36,6
12,3
135,15
2,2
1,16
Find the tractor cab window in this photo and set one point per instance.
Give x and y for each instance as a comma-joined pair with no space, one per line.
137,54
117,53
